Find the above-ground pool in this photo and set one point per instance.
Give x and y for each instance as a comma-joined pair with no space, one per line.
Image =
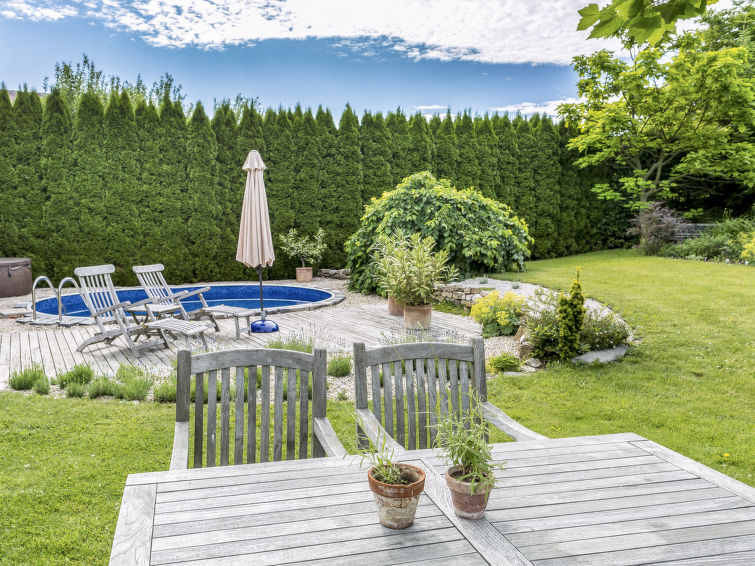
276,297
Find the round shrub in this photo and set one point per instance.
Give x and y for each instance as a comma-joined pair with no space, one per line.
499,316
480,235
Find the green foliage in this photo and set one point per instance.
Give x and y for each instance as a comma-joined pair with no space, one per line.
339,366
376,157
451,308
670,115
134,383
571,317
546,172
25,379
9,228
487,157
479,234
81,374
310,177
41,385
298,340
103,387
508,159
446,150
408,268
601,331
306,249
748,247
462,441
499,316
76,390
420,145
468,169
707,247
165,391
398,129
384,469
639,22
503,363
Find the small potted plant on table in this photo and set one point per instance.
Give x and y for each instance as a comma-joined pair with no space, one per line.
306,249
462,443
396,487
409,270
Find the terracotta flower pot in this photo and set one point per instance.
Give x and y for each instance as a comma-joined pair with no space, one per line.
397,504
418,317
467,505
303,274
394,309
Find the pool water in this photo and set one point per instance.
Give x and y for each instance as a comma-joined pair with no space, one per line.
245,296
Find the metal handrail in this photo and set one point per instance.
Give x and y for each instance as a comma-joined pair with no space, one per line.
33,295
61,306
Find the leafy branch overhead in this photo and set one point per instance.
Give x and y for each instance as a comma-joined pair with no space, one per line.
641,20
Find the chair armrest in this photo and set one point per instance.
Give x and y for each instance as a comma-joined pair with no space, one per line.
185,294
328,438
141,303
502,421
377,434
179,460
114,307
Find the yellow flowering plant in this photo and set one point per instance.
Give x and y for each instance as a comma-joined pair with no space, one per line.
499,316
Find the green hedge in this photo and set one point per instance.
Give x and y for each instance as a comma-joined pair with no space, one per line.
108,179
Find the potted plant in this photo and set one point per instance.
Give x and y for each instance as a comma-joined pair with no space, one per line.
408,270
395,486
462,443
306,249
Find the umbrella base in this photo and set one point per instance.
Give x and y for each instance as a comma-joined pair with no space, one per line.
264,326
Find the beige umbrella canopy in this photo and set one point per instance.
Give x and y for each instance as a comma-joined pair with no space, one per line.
255,247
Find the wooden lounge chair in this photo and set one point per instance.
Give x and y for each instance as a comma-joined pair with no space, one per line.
417,379
104,307
274,366
166,301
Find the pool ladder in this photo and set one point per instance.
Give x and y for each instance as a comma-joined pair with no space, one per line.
48,319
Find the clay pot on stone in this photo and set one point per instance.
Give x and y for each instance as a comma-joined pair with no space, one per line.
303,274
397,504
418,317
394,309
467,505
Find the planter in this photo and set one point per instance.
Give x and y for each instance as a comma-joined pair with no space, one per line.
418,317
303,274
466,504
397,504
394,309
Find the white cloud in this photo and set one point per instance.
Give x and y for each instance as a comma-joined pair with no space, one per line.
429,107
528,108
502,31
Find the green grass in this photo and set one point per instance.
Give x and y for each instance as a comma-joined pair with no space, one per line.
688,385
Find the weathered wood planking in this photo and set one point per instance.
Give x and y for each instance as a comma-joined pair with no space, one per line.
345,325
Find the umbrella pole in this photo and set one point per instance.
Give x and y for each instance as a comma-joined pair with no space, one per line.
262,304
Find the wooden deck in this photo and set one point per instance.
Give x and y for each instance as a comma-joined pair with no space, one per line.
597,500
334,328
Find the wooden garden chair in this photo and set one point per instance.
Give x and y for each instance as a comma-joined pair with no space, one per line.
315,436
105,308
166,301
418,379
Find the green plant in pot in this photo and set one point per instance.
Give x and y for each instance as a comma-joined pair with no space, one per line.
462,442
409,270
305,249
396,486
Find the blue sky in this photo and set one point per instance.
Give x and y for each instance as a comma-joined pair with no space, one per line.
418,54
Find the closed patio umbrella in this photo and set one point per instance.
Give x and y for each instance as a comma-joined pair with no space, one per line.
255,247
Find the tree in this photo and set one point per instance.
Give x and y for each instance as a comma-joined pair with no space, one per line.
420,145
670,122
125,234
523,197
468,171
508,159
376,155
228,184
27,118
446,152
487,156
309,174
89,184
640,20
399,130
205,216
9,219
151,181
345,198
547,206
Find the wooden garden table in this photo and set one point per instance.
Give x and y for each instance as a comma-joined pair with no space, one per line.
604,500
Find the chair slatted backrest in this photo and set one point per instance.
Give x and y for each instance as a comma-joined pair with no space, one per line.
418,381
153,281
98,290
275,367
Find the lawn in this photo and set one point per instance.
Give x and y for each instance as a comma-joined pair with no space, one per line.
689,384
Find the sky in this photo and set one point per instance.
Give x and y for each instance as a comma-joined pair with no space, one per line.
420,55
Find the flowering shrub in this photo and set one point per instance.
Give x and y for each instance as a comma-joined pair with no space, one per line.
748,247
499,316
